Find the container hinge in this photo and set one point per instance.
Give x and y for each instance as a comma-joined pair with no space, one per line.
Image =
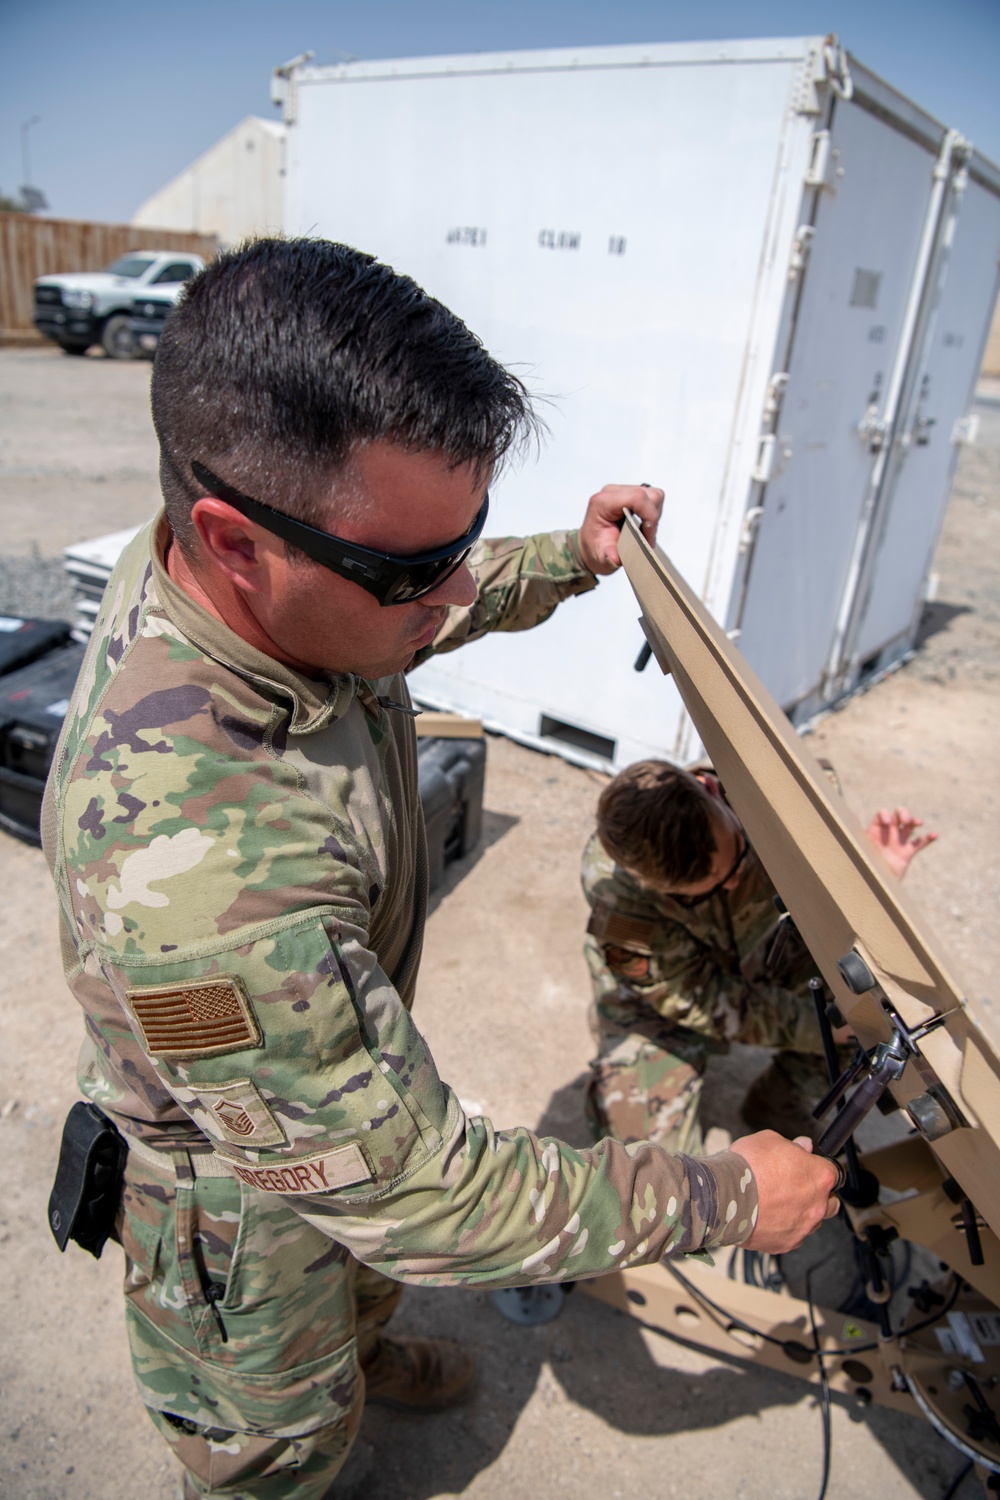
966,430
920,433
804,236
871,429
283,86
776,387
819,159
954,157
751,522
761,471
837,71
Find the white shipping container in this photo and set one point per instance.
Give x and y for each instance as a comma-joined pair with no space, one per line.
749,272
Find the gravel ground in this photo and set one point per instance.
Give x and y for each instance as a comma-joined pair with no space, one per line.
35,586
591,1405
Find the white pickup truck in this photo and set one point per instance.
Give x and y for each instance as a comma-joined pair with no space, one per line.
82,308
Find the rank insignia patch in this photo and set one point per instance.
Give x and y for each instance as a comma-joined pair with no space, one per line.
237,1112
235,1119
198,1019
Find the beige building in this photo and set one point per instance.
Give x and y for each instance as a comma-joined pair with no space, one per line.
236,188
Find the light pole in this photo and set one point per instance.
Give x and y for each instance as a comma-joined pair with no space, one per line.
25,162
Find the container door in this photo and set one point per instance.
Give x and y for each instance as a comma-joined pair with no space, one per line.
925,452
848,328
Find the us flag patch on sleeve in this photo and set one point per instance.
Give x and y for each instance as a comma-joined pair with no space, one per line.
199,1018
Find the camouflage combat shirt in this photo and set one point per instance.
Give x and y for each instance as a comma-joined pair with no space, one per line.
720,968
238,852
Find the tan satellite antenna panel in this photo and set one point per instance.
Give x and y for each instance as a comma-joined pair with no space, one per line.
838,892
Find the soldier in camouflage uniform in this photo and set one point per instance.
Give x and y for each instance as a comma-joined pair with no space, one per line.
235,834
686,955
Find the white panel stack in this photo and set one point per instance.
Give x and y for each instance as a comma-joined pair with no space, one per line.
89,566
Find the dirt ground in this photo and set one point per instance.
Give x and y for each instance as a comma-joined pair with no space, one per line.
591,1404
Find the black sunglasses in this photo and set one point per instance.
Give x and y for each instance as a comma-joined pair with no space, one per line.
690,901
392,579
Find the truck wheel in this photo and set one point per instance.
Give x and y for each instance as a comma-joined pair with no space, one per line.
116,337
69,346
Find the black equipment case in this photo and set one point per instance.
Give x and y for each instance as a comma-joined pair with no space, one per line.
33,704
451,773
23,641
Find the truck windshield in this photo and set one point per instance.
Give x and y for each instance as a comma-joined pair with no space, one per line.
130,265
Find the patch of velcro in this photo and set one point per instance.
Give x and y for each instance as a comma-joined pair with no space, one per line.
196,1019
629,931
322,1173
610,926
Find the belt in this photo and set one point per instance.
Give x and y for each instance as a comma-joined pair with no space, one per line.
197,1163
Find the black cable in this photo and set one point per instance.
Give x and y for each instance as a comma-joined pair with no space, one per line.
824,1383
769,1338
904,1332
731,1320
752,1273
956,1483
913,1328
822,1354
824,1393
754,1270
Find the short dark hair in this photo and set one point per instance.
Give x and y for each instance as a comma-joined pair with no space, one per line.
283,354
656,821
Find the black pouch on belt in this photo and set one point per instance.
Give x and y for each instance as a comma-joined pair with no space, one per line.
88,1186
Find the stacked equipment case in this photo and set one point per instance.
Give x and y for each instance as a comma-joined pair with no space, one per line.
33,704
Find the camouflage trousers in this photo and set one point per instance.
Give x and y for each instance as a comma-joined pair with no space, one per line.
246,1327
647,1082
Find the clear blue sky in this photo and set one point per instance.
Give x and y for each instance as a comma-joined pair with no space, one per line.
130,93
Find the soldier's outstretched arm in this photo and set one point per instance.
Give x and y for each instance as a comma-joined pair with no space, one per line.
895,836
521,580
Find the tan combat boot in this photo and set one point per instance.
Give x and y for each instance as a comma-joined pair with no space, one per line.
418,1374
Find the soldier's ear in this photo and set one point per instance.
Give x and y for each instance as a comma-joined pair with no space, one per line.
230,542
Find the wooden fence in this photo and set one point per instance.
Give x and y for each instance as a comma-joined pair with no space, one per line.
31,247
